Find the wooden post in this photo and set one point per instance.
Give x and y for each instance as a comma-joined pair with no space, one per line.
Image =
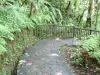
73,31
53,30
90,32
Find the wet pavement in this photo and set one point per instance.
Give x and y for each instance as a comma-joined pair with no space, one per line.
44,59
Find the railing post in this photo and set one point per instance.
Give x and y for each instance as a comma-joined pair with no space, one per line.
73,31
53,30
90,31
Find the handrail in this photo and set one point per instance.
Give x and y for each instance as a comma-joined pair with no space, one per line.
45,31
87,29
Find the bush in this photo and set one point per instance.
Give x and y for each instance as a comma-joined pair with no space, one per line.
89,51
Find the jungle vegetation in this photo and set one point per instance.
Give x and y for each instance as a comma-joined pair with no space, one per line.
15,15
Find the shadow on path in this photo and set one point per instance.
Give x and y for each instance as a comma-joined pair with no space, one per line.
43,58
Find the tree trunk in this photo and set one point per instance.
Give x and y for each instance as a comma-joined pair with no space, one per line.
80,17
31,9
89,20
69,3
75,3
97,13
24,2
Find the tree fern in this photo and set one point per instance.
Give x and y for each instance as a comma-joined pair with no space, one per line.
14,17
96,54
2,46
5,32
92,45
46,13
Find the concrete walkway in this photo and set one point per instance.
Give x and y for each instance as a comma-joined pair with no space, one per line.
43,58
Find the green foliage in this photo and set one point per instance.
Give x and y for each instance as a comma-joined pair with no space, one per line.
75,12
2,46
46,13
3,71
2,49
91,45
77,59
62,48
5,32
13,17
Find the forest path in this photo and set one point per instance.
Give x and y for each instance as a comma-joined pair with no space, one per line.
44,59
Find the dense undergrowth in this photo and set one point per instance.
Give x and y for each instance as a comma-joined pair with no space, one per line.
17,23
85,55
19,18
89,52
13,18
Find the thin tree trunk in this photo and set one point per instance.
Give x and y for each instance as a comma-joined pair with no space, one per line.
80,17
97,13
75,3
24,2
10,2
69,3
89,20
31,9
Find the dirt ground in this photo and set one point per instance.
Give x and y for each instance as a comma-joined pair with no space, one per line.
78,69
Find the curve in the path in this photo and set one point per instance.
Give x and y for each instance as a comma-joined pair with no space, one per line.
43,58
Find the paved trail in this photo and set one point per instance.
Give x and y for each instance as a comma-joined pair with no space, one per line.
43,58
